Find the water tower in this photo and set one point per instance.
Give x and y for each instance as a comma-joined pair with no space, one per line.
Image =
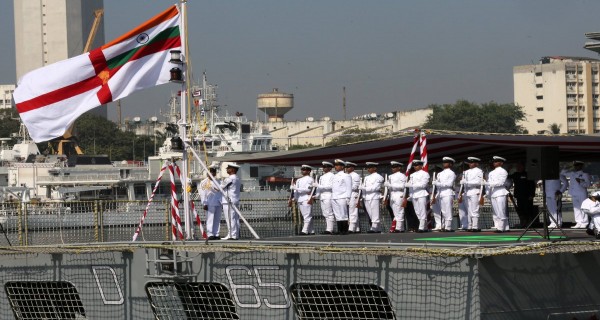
275,104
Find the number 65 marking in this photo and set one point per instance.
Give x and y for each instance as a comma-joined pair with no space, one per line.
235,287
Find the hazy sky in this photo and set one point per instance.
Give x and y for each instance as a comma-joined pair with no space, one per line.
389,54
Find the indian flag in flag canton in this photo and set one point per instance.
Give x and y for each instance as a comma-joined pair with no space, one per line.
51,98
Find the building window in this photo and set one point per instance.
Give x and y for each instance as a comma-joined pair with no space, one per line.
540,120
538,74
571,119
541,131
539,97
540,109
539,85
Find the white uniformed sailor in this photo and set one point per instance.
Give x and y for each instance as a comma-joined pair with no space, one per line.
472,180
210,196
579,181
302,194
324,194
444,184
417,184
231,185
396,184
372,195
354,225
554,190
496,192
341,190
591,207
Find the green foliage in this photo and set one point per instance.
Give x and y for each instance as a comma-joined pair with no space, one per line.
468,116
353,136
554,128
9,122
301,146
98,135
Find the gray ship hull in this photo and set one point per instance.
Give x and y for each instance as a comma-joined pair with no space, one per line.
305,280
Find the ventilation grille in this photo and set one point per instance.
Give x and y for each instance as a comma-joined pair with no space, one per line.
44,300
340,301
191,301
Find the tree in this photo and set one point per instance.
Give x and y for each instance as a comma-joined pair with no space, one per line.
554,128
468,116
353,136
10,122
301,146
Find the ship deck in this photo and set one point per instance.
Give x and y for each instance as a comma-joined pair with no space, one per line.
433,239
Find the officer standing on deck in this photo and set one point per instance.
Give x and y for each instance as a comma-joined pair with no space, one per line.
372,195
231,185
524,194
444,183
417,184
497,193
353,204
395,184
324,194
210,196
472,180
554,191
579,181
341,190
302,189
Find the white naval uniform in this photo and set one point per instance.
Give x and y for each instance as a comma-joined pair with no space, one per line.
354,225
417,184
324,194
444,184
463,213
210,196
302,190
231,185
578,192
341,190
553,187
395,186
472,180
592,208
372,197
496,188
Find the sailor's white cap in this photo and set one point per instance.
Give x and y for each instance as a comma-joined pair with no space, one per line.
497,158
305,166
371,164
233,165
448,159
417,163
396,164
339,161
327,164
350,164
473,159
596,194
577,162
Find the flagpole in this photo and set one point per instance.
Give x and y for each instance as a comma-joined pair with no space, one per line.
183,124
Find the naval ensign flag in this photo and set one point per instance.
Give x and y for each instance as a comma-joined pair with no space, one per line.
51,98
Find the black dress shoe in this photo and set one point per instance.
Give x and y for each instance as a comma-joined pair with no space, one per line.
498,231
420,231
326,232
475,230
589,231
373,231
213,238
394,231
303,233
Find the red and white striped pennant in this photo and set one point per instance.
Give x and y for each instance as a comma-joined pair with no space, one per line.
412,152
139,228
175,217
424,152
195,212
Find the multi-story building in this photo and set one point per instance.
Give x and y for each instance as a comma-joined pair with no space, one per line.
560,92
6,91
47,31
